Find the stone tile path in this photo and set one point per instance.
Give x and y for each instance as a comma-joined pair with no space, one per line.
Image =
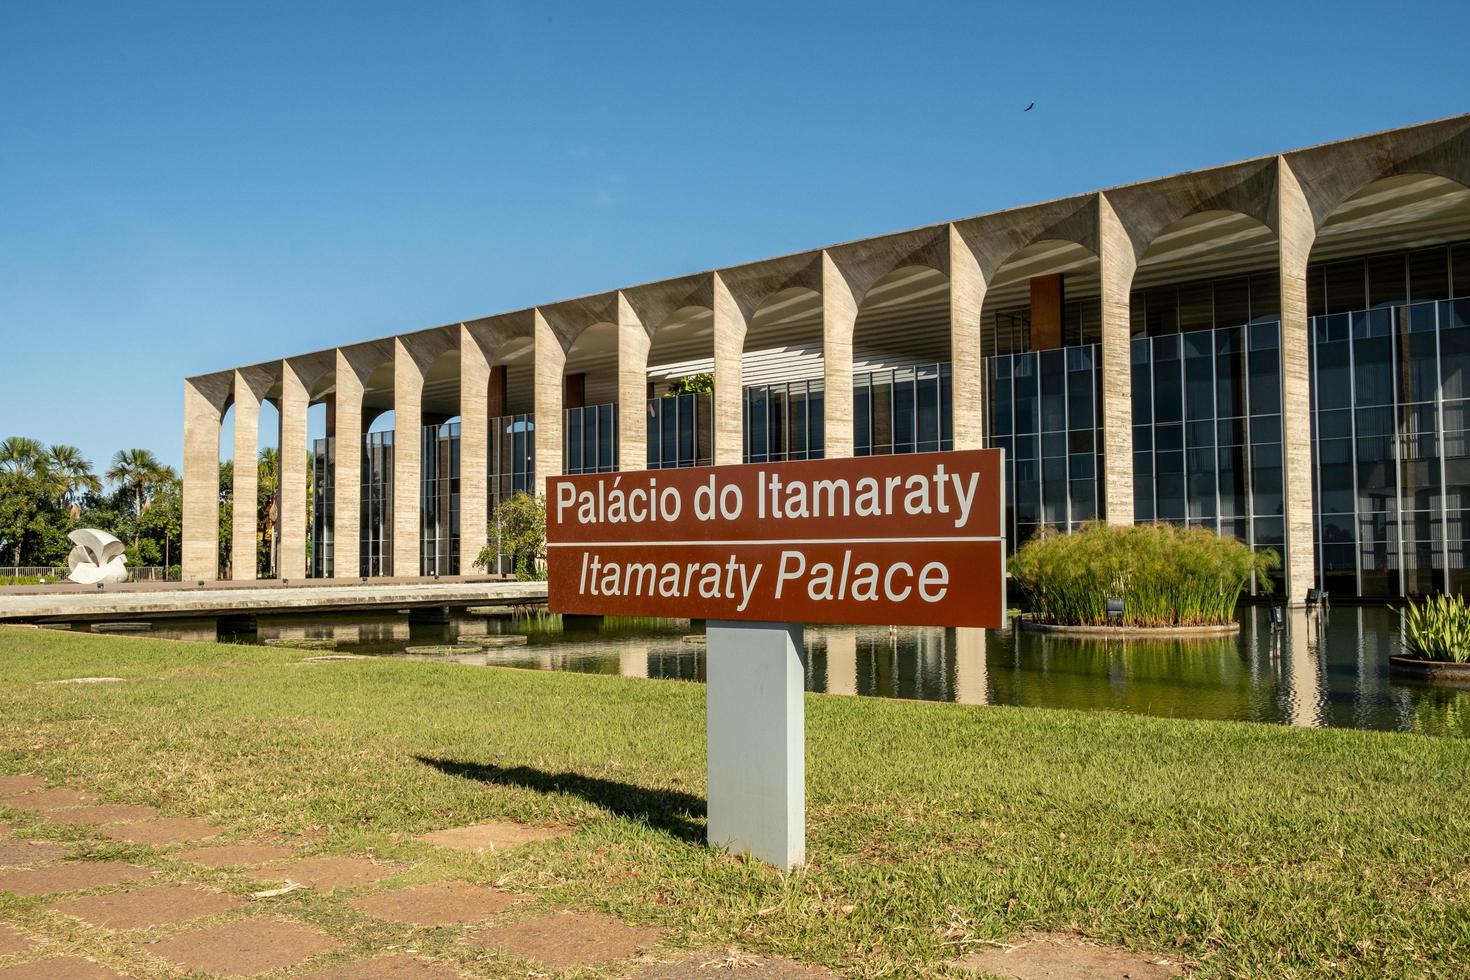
47,799
73,876
60,968
160,831
12,941
440,903
1061,956
235,855
13,785
244,948
493,836
101,813
151,905
731,966
22,852
384,967
330,873
565,939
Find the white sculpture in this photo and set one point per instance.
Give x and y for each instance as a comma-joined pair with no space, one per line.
97,557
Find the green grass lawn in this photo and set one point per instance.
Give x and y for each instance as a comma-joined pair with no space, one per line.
1249,849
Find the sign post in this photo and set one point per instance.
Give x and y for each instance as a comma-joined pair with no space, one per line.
758,550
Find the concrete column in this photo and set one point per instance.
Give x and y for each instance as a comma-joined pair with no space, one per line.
839,316
730,326
1305,672
347,475
551,362
1118,261
633,660
204,404
474,449
243,524
293,488
756,723
966,356
634,344
971,673
408,404
1294,241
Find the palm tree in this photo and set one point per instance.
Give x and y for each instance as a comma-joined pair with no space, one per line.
74,473
137,470
267,498
19,454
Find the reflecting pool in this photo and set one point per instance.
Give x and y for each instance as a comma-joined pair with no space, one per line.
1326,668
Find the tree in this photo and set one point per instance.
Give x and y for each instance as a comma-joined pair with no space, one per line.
74,473
268,509
692,384
520,532
138,471
226,516
30,492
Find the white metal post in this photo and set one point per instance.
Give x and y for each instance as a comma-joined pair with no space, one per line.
755,678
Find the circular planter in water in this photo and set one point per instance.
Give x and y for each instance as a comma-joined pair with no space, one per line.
1132,632
1440,671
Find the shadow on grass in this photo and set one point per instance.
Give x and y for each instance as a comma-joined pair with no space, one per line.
676,814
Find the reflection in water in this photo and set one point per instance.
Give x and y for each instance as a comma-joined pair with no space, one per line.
1328,668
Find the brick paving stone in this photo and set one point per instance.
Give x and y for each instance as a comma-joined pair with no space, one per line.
47,799
101,813
244,948
13,941
73,876
11,785
60,968
20,852
235,855
565,939
383,967
496,835
439,903
327,873
6,826
1064,956
731,965
160,832
149,905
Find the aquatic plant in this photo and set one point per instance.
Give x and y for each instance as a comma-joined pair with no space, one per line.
1437,628
1165,575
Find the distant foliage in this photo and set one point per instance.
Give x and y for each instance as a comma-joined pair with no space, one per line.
692,384
1165,575
518,531
1438,628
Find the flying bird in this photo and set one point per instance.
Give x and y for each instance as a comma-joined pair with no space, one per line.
1029,107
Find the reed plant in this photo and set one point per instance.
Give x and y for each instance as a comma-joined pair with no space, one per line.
1165,575
1437,628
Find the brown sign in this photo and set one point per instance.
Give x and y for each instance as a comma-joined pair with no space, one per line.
909,540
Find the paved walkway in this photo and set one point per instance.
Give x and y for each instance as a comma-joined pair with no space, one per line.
68,601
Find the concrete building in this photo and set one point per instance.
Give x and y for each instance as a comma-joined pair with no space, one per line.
1277,348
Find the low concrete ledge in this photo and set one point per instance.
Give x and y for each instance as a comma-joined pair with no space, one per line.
1439,671
1132,632
43,604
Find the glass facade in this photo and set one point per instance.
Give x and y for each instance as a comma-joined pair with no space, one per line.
783,421
439,499
591,439
376,518
323,509
1207,431
1044,408
902,410
1009,331
681,431
512,457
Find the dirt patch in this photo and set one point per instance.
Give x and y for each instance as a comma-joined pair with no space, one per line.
21,852
494,836
732,964
60,968
440,903
12,785
161,831
383,967
102,813
244,948
327,873
12,941
48,799
152,905
236,855
566,939
74,876
1059,956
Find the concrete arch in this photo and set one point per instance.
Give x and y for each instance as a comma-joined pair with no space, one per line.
903,318
1046,272
1201,247
1402,210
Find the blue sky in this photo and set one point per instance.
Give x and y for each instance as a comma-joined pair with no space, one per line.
190,187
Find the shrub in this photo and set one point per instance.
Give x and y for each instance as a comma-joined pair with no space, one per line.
1165,575
518,527
1438,628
